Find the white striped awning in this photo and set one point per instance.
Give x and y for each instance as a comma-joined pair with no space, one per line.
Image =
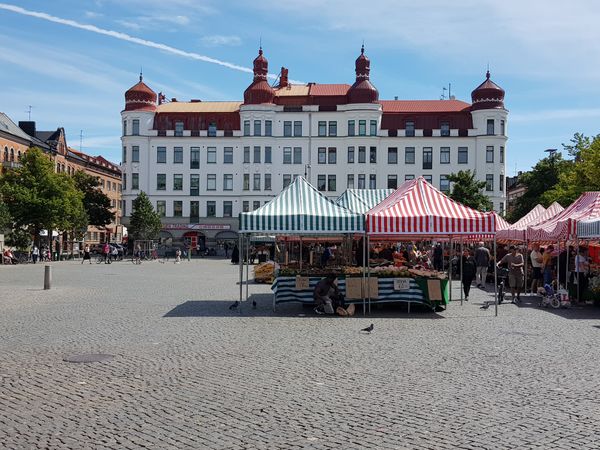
362,200
516,231
589,229
301,209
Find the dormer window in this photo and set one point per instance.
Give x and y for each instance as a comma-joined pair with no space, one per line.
212,129
445,129
409,128
179,129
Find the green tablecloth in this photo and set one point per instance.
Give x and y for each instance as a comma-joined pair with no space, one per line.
443,284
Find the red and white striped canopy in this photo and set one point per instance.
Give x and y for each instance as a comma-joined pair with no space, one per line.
516,231
563,225
418,208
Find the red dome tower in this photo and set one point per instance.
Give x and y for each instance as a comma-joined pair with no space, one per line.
140,97
488,95
362,91
259,91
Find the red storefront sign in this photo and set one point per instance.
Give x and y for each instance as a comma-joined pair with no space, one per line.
196,226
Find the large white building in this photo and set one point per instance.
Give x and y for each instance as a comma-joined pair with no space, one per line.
202,163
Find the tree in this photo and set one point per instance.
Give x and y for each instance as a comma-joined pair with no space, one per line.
145,222
38,199
468,191
5,219
95,202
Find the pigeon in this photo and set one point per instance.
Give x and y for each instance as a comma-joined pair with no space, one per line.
234,305
253,304
486,305
368,329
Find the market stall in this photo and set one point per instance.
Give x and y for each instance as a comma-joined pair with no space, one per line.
362,200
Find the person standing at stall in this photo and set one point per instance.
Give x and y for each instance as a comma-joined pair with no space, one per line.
536,264
548,264
515,263
482,260
581,272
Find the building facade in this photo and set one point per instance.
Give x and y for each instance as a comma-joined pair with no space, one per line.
202,163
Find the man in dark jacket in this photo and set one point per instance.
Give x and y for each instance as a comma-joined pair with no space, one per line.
324,293
482,260
469,269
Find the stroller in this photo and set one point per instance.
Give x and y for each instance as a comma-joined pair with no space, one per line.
558,299
502,275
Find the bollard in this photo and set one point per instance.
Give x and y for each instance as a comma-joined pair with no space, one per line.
47,277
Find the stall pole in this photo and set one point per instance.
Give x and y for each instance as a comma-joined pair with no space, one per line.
450,266
558,267
526,266
461,270
495,278
241,264
368,273
364,273
577,269
247,265
300,252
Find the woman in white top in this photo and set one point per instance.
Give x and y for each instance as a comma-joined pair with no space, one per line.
581,272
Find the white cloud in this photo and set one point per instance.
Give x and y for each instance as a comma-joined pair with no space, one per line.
219,40
92,15
128,24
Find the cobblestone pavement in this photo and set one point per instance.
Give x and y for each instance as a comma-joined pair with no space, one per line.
190,373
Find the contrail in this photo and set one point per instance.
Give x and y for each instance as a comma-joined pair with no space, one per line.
125,37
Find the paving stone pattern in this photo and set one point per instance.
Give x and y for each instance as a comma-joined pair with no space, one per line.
190,373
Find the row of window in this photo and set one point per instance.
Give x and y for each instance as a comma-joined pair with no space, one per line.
10,156
211,208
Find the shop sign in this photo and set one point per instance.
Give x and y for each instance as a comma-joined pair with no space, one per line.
196,226
302,283
401,284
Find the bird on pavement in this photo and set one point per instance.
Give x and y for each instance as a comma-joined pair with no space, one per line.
234,305
368,329
253,304
486,305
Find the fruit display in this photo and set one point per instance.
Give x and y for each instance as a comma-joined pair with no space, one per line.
264,272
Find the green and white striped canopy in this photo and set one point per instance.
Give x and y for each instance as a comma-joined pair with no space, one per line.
301,209
362,200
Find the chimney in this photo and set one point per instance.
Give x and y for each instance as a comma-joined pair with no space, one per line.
28,127
395,97
283,79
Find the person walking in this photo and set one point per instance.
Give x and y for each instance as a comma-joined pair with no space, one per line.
86,254
536,265
515,263
106,253
35,253
235,255
469,270
482,261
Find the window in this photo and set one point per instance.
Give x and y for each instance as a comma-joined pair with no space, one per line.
489,154
372,181
445,129
362,127
428,178
409,128
194,184
194,157
287,155
246,182
427,157
351,129
331,183
287,128
211,182
123,206
246,155
178,182
392,182
135,181
256,184
409,155
195,210
361,181
444,183
502,154
321,183
178,128
124,154
135,154
501,208
125,181
212,129
322,128
124,128
256,155
373,128
245,206
350,155
161,155
489,182
445,155
227,208
177,208
332,155
228,182
362,154
211,155
373,155
298,128
287,180
409,177
268,155
490,126
350,181
392,155
502,128
267,181
256,204
268,128
257,128
332,128
463,155
135,127
211,209
501,183
161,208
246,128
228,155
178,155
297,155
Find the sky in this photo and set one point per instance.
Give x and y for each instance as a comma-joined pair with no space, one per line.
73,60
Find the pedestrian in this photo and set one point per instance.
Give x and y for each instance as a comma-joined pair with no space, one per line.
86,254
581,273
469,270
106,253
536,264
235,255
324,293
515,263
226,247
35,253
177,256
548,264
482,260
438,258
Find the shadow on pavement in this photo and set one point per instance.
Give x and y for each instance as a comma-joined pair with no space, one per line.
577,312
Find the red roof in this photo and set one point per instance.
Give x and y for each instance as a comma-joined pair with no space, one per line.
422,106
328,89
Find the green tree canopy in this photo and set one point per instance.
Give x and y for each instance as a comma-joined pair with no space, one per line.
5,219
95,202
468,191
145,222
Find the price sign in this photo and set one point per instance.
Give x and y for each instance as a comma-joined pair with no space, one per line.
302,283
401,284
